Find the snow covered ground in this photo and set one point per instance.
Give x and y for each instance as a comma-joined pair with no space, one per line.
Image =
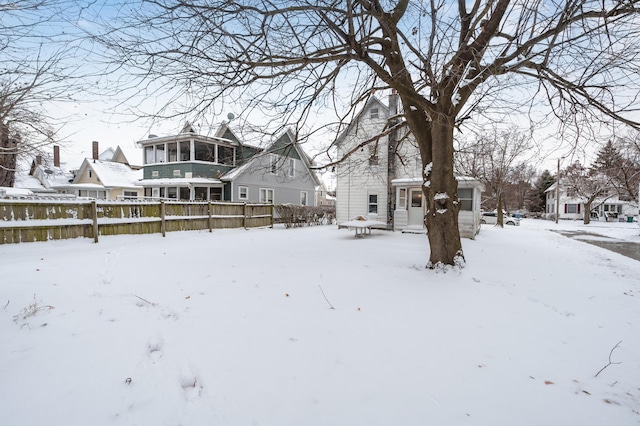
312,326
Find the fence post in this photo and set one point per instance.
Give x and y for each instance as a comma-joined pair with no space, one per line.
244,215
272,218
162,214
94,211
209,208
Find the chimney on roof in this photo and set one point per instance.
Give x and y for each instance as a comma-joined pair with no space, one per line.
95,150
38,159
56,156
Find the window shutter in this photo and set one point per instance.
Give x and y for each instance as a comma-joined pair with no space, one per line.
565,208
578,208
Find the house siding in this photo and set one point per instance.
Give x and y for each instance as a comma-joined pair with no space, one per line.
356,177
204,169
286,189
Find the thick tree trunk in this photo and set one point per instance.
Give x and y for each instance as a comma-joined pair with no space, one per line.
434,135
587,212
441,195
8,158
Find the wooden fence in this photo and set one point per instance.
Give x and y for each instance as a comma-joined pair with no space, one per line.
43,220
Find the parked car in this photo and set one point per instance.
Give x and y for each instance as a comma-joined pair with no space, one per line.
491,218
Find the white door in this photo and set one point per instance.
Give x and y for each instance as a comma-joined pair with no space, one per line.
416,208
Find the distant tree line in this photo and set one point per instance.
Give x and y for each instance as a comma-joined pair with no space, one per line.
501,161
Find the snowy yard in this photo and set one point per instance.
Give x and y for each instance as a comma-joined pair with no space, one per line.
236,327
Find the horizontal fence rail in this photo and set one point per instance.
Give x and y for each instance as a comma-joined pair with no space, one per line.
43,220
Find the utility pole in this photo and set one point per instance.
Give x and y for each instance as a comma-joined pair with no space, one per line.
558,192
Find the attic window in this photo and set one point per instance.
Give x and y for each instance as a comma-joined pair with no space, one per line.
373,113
292,169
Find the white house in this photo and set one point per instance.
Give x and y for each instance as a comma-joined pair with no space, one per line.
388,188
607,207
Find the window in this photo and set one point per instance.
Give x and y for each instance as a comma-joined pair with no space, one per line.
90,174
92,193
243,193
160,154
273,166
373,203
373,156
185,151
172,192
291,171
373,113
303,198
215,194
185,193
571,192
172,152
465,198
200,193
416,198
204,152
149,158
130,194
572,208
266,195
402,199
225,155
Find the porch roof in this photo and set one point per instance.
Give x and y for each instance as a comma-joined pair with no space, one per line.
180,182
463,181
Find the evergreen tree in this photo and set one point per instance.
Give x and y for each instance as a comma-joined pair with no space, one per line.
608,160
538,197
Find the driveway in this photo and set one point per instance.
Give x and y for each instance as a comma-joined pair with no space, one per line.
625,248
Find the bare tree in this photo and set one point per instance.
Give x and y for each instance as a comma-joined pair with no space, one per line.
38,67
493,159
586,185
520,191
620,160
450,62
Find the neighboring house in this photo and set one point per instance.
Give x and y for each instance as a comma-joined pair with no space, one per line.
322,196
607,207
189,166
106,176
44,173
371,182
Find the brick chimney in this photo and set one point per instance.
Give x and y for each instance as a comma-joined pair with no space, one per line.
38,159
56,156
95,150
